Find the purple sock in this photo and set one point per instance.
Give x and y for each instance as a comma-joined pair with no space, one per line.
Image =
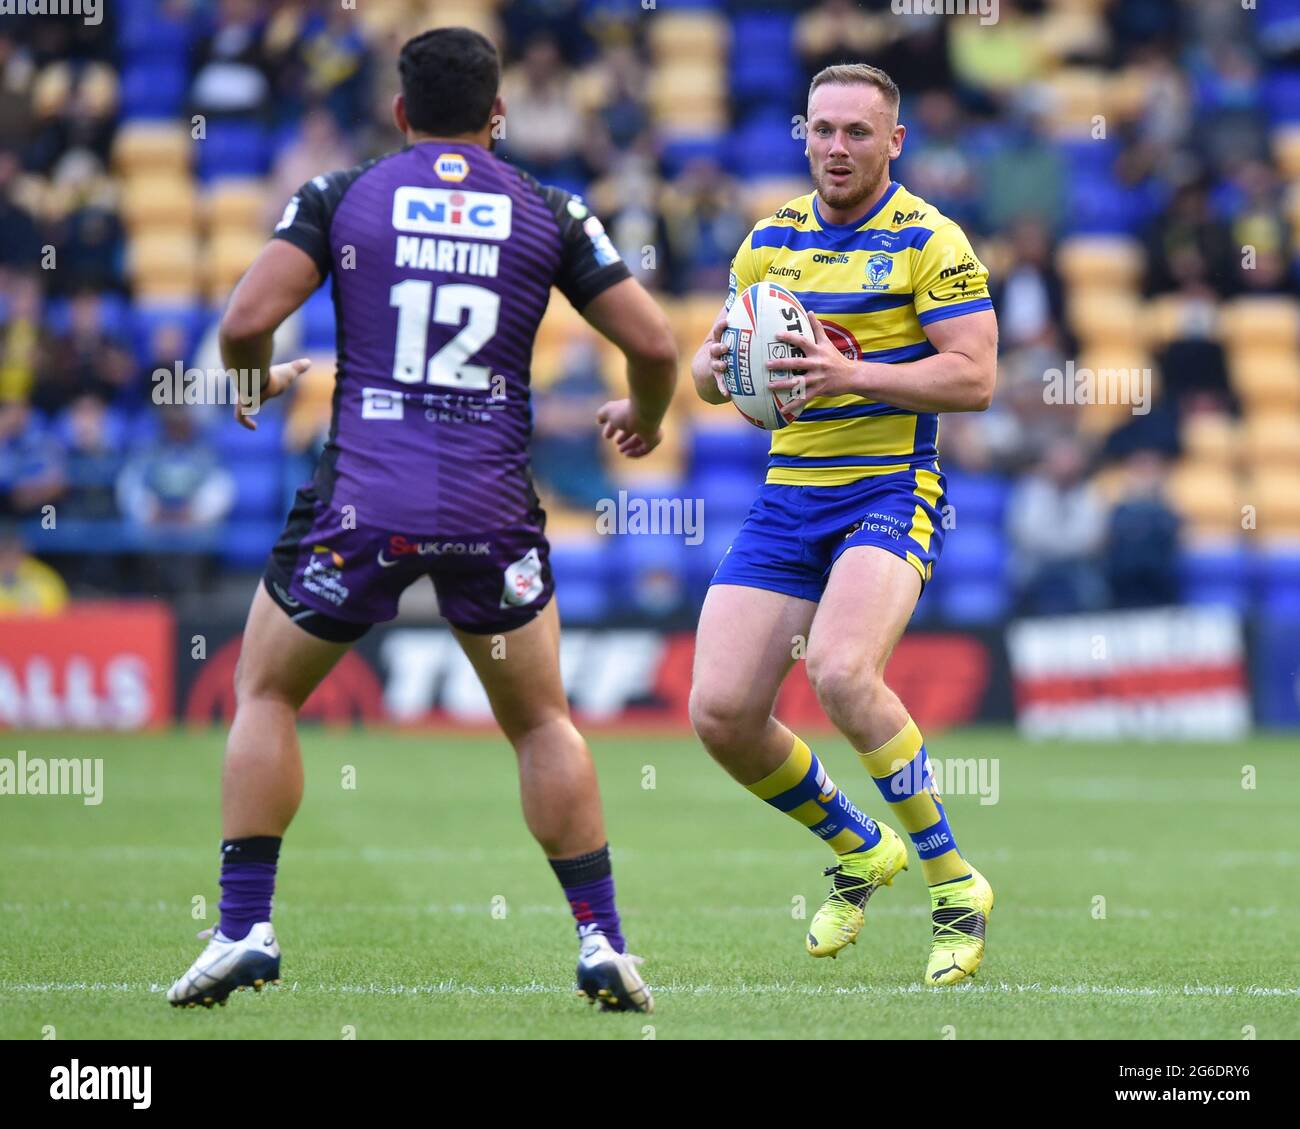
247,883
588,882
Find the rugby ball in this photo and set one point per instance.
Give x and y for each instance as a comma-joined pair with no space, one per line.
756,316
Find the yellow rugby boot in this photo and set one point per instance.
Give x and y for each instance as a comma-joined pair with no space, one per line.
857,877
959,913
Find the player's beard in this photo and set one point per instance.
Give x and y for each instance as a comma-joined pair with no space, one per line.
848,196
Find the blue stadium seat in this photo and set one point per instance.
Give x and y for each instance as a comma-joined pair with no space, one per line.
1216,576
151,30
727,493
582,579
148,318
236,444
259,489
728,447
980,499
678,152
154,88
763,146
245,544
1277,576
318,322
975,602
1282,96
233,148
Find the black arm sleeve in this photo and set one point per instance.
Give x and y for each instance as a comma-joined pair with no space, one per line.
307,217
589,264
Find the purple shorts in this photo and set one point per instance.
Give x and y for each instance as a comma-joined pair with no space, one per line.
335,578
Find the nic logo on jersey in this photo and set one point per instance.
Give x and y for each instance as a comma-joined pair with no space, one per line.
879,267
450,211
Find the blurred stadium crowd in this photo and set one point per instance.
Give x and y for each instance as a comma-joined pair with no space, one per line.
1130,172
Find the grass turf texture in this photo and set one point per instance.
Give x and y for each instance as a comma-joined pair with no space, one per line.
385,906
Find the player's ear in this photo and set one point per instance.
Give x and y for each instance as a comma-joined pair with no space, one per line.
896,142
399,114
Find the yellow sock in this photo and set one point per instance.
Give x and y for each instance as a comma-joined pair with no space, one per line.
902,772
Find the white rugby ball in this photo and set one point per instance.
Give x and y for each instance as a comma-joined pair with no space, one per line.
756,316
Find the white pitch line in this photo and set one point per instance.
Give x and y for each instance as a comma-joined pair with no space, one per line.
455,987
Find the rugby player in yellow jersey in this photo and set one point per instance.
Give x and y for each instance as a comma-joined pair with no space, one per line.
847,527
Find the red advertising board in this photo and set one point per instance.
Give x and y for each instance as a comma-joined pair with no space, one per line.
96,666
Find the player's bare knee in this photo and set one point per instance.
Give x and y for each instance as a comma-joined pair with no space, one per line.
254,682
846,687
722,721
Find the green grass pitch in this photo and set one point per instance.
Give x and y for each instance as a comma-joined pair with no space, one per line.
415,905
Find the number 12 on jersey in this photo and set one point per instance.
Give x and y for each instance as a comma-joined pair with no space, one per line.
414,298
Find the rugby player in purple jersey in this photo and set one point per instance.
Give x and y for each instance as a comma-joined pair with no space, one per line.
441,259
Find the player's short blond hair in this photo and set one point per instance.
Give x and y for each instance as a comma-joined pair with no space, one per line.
853,74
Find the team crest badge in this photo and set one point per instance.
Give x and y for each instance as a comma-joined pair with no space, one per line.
879,267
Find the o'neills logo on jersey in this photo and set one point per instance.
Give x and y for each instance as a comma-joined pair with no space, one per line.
449,211
451,166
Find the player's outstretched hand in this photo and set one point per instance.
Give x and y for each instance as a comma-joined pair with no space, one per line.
631,435
278,379
825,371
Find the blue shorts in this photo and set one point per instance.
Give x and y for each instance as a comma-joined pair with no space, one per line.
795,534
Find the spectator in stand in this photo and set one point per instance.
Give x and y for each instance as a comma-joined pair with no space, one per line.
566,449
1141,551
544,128
20,238
176,481
231,69
1024,176
319,147
1029,295
1056,526
20,338
936,162
92,442
31,463
1188,239
86,359
704,226
27,586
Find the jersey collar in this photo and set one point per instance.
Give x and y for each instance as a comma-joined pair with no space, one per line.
834,228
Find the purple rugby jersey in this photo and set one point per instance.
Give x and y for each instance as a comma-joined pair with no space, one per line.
441,259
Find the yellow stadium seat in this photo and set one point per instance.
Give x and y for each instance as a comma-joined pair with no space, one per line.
1273,439
1276,500
685,86
238,205
1105,316
1211,439
1100,261
310,404
1076,95
1208,500
151,147
1252,322
164,264
158,201
228,256
1266,381
675,36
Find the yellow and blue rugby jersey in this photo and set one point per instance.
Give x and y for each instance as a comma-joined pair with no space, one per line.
873,285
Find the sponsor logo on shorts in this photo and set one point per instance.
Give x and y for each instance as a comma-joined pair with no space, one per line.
323,575
887,524
399,547
523,581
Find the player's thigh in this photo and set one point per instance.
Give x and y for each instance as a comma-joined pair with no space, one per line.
869,599
277,658
520,671
746,642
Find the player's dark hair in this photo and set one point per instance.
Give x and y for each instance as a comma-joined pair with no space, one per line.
851,74
450,77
